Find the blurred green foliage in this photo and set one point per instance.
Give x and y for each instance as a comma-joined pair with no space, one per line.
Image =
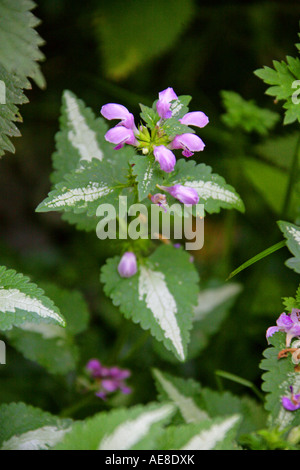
105,52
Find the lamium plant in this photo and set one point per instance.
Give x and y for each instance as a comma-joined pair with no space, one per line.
139,161
135,185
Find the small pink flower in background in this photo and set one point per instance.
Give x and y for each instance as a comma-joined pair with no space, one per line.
108,379
128,265
165,158
292,403
289,324
184,194
96,368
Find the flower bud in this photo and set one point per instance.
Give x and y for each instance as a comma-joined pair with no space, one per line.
165,158
164,103
128,265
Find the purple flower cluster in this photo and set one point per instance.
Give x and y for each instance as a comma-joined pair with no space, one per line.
157,142
108,379
287,323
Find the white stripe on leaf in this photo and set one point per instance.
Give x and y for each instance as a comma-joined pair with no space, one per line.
209,189
158,298
209,438
38,439
81,136
209,299
130,432
294,233
73,197
188,408
12,299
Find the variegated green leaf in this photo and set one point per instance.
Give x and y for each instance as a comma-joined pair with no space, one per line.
196,404
80,138
25,427
158,297
24,302
180,392
52,346
214,304
83,190
212,189
212,298
214,434
292,235
122,429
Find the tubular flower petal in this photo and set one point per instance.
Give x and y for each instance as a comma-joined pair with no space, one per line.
190,143
289,324
293,403
160,200
128,265
195,118
184,194
164,102
120,135
165,158
118,111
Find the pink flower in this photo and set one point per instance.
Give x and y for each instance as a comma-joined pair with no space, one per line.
155,136
108,379
289,324
165,158
96,368
195,118
118,111
190,143
128,265
164,103
120,135
184,194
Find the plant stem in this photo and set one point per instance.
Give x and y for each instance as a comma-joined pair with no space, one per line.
256,258
291,181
